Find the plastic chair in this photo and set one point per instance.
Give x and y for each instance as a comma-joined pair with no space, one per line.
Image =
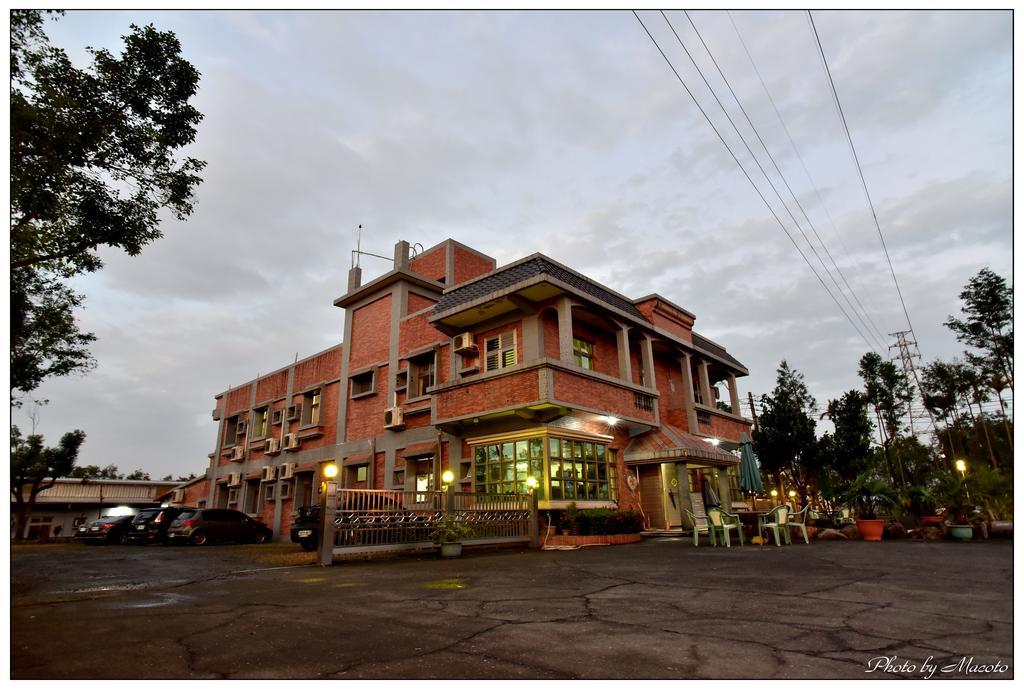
696,527
798,520
775,521
721,522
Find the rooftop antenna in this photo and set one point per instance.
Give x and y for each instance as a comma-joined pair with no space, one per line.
358,251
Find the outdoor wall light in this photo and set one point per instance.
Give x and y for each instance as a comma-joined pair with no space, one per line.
775,493
611,420
531,482
792,493
447,477
961,466
330,470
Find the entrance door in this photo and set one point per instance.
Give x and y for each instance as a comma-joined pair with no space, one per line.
673,496
652,496
696,495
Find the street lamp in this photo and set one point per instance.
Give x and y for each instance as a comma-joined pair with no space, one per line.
775,495
961,466
531,483
446,478
330,470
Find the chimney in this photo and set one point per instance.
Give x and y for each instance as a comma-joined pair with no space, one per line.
402,255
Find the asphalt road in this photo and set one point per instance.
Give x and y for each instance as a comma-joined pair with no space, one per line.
657,609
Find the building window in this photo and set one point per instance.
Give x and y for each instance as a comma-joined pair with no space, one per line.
361,473
311,408
277,417
259,423
232,496
421,375
500,351
503,468
581,470
362,384
583,351
230,431
284,490
268,492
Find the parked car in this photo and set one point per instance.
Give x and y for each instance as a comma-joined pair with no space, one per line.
200,527
110,529
150,525
306,527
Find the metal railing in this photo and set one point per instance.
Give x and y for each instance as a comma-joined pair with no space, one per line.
369,520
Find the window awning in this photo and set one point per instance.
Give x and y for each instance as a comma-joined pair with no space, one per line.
356,460
668,443
418,450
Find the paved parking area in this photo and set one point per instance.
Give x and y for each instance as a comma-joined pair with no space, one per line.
657,609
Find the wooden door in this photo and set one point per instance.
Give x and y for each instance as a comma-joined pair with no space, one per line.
673,495
652,496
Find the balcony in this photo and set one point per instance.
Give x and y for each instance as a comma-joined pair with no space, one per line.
542,390
720,424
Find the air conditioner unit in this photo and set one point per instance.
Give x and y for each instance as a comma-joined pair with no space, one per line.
394,418
291,441
234,479
178,495
464,343
269,473
237,453
287,470
272,447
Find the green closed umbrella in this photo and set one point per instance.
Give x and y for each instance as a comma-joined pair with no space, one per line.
750,475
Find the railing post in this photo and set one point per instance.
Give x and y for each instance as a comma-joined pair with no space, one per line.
449,503
534,521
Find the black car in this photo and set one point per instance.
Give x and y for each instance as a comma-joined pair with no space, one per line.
150,525
110,529
200,527
306,527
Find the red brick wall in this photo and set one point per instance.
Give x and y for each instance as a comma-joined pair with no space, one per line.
416,332
196,492
725,428
378,471
272,386
549,321
365,416
238,399
323,367
418,303
287,519
417,420
469,265
606,352
636,364
654,314
506,391
442,363
667,376
432,263
371,332
578,389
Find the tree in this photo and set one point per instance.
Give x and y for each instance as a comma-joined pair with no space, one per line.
784,439
35,468
890,393
138,475
91,471
847,450
988,321
93,162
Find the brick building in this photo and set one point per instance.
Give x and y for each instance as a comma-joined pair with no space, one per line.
449,362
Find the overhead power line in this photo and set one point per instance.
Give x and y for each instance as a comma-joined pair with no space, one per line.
860,171
807,173
879,340
747,175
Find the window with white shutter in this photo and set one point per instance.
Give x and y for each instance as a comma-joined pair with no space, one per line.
500,351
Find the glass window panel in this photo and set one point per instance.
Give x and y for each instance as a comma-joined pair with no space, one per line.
522,470
599,449
481,455
494,472
493,453
508,471
570,490
537,467
556,490
567,448
553,447
602,491
537,447
577,450
508,451
522,449
591,471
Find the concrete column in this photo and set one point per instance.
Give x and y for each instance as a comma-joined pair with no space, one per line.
355,278
622,344
734,395
401,255
565,330
705,384
532,338
688,402
723,488
647,355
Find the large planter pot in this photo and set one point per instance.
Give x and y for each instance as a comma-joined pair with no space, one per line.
871,529
451,549
931,521
961,532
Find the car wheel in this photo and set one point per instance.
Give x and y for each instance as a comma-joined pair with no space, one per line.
260,537
199,538
308,546
123,539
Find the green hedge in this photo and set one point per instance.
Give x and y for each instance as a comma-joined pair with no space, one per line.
602,522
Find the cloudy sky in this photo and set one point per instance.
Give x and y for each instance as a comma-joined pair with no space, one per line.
559,132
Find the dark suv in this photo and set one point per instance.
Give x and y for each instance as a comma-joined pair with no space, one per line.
150,525
217,526
306,527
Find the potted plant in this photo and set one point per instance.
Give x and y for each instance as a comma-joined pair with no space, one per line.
866,495
952,493
449,534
